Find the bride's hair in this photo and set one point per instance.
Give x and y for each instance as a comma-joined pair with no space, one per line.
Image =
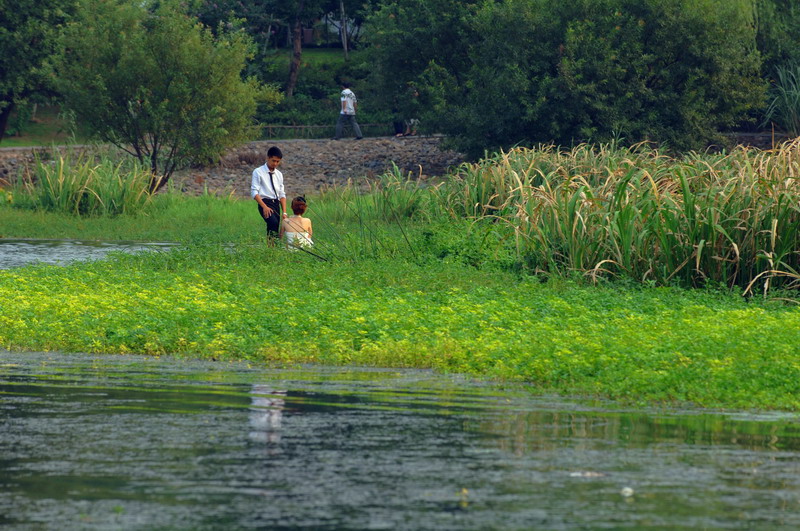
299,205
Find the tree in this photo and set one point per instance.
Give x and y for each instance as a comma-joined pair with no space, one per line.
410,40
258,16
157,84
299,13
777,33
28,31
527,71
671,71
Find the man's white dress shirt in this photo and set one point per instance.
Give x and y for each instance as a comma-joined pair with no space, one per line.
262,186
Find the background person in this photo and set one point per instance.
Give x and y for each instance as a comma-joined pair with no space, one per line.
347,115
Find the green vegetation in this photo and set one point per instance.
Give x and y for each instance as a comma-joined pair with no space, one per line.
515,72
157,85
28,39
701,219
784,106
488,74
168,217
42,125
442,277
79,184
268,305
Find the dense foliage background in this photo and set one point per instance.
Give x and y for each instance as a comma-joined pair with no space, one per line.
489,74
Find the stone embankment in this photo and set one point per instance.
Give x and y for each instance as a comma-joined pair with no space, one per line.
308,165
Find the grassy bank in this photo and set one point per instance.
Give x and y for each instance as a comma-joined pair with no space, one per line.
417,276
641,345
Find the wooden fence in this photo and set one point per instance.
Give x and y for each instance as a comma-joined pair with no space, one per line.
283,132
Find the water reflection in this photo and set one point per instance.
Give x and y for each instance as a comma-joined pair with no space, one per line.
129,442
266,413
526,432
19,252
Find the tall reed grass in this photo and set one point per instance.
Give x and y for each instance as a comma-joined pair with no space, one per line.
784,106
604,211
369,221
85,184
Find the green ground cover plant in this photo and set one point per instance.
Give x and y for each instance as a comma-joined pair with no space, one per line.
654,345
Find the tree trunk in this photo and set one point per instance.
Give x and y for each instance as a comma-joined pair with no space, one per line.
343,29
4,116
294,66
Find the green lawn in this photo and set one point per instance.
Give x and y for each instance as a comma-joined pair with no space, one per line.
314,56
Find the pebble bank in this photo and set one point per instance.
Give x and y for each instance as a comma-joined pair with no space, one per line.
308,165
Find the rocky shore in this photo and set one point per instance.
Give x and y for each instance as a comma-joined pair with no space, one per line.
308,165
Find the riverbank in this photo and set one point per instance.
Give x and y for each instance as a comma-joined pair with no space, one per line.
308,165
267,306
415,276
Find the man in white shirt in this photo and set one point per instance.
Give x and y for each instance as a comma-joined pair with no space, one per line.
348,113
267,189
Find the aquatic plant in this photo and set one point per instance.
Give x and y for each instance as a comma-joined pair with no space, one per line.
784,103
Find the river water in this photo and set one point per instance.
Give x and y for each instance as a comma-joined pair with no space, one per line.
20,252
126,442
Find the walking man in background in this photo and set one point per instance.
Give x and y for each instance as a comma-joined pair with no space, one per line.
348,112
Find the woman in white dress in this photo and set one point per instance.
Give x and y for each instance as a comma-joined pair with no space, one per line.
296,229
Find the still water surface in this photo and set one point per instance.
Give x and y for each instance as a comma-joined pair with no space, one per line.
19,252
90,442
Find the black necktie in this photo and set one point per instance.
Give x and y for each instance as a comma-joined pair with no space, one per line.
274,190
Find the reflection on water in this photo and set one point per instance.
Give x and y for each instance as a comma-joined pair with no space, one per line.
17,253
140,443
265,414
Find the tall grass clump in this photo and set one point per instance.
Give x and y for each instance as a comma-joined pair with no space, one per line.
372,220
84,184
784,105
604,211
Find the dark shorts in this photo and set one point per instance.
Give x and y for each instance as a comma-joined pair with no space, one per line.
274,221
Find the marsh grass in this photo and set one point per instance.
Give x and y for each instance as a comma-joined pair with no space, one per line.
600,212
636,213
169,216
83,183
784,106
357,223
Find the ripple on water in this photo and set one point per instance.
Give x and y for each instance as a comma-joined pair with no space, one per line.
130,442
18,252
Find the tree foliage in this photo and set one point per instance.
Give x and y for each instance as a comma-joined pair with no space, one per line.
407,38
157,84
777,33
28,30
526,71
262,18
